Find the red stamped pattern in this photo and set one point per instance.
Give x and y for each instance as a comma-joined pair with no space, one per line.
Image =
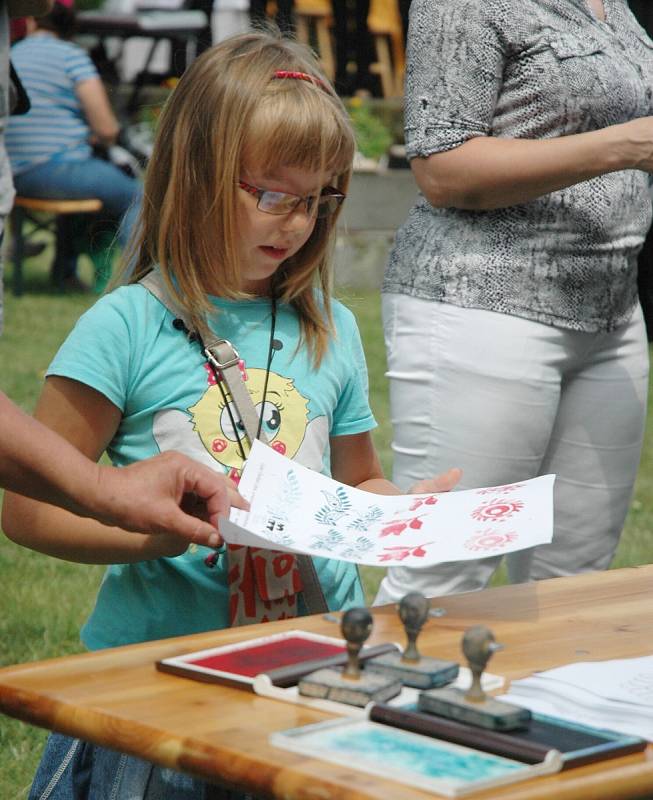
263,585
497,510
509,487
401,553
418,502
490,541
399,526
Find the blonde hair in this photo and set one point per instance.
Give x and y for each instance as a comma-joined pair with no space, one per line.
228,108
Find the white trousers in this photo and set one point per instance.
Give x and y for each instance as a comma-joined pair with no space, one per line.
507,399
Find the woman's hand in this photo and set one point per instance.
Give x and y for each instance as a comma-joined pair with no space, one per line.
168,494
153,508
440,483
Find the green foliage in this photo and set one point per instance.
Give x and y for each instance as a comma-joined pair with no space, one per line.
373,137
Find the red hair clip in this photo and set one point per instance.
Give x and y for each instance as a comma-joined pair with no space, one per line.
300,76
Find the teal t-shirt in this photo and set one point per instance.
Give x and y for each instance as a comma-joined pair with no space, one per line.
127,348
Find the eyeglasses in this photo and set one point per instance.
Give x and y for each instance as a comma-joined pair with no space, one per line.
325,203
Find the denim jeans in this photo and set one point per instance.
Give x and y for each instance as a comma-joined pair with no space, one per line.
71,769
120,194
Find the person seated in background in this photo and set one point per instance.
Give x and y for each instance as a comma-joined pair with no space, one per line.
51,148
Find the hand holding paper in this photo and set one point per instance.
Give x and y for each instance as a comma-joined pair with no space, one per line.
298,510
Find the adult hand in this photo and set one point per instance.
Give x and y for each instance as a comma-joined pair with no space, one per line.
440,483
170,495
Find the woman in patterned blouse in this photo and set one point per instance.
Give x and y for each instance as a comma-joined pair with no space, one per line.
516,344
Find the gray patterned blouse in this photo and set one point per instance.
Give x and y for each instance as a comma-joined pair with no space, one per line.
526,69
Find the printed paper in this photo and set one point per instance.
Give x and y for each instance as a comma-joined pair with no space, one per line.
297,510
615,694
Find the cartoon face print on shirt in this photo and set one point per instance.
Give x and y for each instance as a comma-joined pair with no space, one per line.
203,430
283,411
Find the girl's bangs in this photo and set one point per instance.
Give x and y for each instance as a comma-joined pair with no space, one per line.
299,129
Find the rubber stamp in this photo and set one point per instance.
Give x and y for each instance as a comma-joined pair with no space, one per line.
474,706
351,684
413,669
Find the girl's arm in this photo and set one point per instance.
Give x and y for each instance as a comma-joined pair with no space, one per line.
354,461
147,494
486,172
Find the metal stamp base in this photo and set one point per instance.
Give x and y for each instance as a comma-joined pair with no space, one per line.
490,713
426,673
330,684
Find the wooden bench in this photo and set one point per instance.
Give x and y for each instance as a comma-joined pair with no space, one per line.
31,209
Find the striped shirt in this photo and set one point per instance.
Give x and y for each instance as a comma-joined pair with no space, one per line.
54,128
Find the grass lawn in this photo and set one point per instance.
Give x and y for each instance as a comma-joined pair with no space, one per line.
44,601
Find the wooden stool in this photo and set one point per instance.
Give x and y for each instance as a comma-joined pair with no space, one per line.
25,209
384,24
316,15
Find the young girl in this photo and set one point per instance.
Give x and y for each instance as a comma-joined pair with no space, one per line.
251,163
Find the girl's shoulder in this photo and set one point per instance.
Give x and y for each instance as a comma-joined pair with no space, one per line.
345,324
134,305
343,316
132,294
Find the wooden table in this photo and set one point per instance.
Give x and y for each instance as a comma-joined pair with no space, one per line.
117,698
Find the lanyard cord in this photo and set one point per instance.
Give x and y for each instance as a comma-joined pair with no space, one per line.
238,427
237,430
273,325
